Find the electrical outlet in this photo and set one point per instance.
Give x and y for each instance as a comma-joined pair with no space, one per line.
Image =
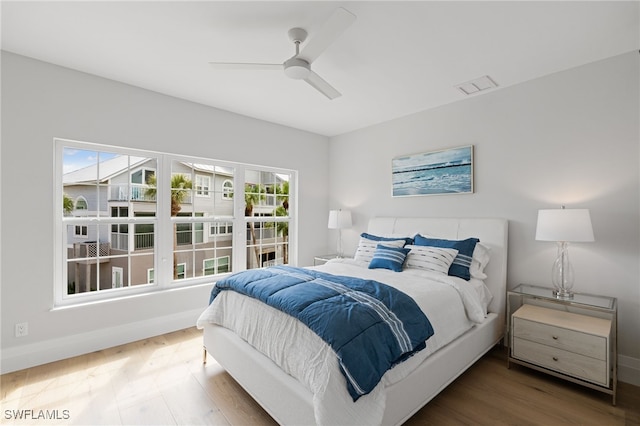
22,329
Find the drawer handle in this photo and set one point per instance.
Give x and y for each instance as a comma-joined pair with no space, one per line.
555,358
555,337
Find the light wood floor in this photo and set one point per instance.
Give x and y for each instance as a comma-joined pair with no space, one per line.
162,380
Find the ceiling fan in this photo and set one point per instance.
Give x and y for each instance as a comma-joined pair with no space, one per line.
298,66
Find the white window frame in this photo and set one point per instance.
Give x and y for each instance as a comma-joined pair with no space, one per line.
117,271
227,192
162,222
144,171
204,265
199,186
216,262
214,228
81,235
184,271
78,199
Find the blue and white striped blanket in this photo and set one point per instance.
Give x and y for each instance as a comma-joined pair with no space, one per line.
370,326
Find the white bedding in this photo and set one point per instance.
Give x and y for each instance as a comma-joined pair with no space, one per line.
451,304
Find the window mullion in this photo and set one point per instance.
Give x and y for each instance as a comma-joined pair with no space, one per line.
239,224
165,227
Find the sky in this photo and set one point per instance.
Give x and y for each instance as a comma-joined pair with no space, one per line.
74,159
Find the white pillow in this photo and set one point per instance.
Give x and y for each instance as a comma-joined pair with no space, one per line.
429,258
366,248
480,259
484,294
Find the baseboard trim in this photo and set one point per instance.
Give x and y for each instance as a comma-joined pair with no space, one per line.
629,370
38,353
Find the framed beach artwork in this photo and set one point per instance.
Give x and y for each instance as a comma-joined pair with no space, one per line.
449,171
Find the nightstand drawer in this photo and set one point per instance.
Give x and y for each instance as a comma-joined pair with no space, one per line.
570,340
573,364
574,338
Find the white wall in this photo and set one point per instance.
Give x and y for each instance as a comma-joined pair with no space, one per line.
41,101
570,138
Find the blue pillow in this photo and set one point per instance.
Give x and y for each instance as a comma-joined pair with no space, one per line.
462,262
389,257
408,240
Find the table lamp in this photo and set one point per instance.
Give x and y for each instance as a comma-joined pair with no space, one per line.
339,219
563,226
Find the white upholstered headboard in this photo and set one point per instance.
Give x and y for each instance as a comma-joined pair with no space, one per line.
491,232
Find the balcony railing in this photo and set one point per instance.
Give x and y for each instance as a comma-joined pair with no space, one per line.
185,237
144,241
141,241
91,249
130,192
136,192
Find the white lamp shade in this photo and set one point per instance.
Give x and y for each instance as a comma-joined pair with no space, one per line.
339,219
570,225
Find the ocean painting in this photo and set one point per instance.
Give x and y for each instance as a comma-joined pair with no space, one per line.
449,171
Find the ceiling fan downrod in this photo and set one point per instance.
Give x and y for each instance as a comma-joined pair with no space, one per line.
297,68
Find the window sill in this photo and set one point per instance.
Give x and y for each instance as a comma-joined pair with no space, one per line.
66,305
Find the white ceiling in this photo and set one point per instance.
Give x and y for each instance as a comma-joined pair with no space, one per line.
396,59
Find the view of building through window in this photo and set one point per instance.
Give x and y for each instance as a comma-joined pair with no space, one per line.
114,237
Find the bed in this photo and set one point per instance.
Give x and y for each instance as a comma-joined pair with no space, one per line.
283,386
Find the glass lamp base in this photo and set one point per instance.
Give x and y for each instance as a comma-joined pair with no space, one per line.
562,294
562,273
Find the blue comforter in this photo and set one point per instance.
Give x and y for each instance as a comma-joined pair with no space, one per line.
370,326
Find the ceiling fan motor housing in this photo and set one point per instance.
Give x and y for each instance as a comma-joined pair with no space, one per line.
297,68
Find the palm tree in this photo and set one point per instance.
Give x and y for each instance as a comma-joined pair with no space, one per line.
180,186
282,194
67,204
282,228
253,194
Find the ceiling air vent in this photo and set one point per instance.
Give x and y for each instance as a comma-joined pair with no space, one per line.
478,85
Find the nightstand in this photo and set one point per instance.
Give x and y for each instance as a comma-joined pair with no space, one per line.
574,339
323,258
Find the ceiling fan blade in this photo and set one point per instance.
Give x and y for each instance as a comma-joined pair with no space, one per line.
322,86
245,66
339,21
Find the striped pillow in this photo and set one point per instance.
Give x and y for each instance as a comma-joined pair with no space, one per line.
433,259
389,258
462,262
366,248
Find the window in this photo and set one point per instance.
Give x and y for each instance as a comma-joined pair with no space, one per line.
267,214
220,228
181,269
120,232
116,277
227,189
203,183
186,210
142,176
144,237
141,179
216,266
81,231
81,203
